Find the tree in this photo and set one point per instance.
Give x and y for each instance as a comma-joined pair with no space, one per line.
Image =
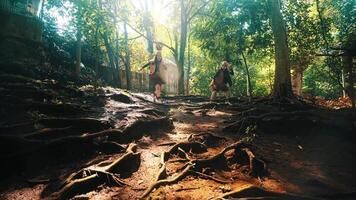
303,37
282,79
78,52
127,59
243,31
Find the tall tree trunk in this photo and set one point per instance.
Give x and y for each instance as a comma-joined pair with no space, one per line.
116,66
297,81
183,43
42,9
347,60
117,71
175,54
111,56
282,80
147,23
322,24
97,50
188,67
127,59
343,82
78,53
248,77
148,26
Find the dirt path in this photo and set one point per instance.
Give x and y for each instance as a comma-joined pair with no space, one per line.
184,150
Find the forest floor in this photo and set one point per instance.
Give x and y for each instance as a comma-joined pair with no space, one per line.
58,141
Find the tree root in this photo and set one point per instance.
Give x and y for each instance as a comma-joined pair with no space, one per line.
88,179
160,183
205,176
258,168
241,125
195,147
19,148
15,129
162,173
49,133
195,166
206,138
135,130
79,124
152,111
121,97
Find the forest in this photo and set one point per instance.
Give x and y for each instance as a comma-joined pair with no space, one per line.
178,99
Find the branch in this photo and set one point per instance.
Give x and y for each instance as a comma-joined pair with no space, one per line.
198,10
327,54
142,35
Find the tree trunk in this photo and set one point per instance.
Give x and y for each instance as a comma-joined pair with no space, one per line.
297,82
175,54
347,60
148,25
183,43
248,78
111,56
343,83
189,66
127,59
282,80
97,52
78,53
42,9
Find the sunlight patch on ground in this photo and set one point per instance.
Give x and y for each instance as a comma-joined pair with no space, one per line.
217,113
179,136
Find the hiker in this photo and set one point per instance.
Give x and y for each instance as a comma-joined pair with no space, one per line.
156,64
222,80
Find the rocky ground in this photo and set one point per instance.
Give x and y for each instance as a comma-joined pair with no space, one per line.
60,141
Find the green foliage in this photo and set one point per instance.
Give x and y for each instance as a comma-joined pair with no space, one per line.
242,29
303,33
318,82
221,29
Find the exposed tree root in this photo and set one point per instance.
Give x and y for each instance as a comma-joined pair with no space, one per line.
205,176
152,111
50,133
121,97
194,147
196,166
167,144
142,127
15,129
49,144
86,124
258,168
162,173
277,117
173,180
206,138
88,179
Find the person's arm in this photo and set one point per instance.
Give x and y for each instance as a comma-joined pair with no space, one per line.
216,74
146,65
231,71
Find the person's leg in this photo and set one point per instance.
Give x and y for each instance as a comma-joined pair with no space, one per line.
226,94
158,91
213,95
226,91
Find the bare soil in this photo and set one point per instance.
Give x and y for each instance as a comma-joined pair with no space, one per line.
123,145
